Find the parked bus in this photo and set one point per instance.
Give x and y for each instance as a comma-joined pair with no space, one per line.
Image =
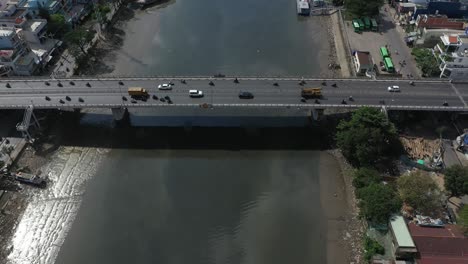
367,23
361,24
356,26
375,27
384,52
389,64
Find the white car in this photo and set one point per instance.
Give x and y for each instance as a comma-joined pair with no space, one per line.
195,93
165,86
394,88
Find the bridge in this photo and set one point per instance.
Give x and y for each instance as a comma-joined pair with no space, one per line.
78,93
273,95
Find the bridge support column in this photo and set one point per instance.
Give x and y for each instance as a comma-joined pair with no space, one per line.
23,127
315,114
119,113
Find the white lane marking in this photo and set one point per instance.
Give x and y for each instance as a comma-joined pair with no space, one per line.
458,94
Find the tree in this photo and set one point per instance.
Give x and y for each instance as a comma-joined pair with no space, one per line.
77,40
57,25
44,13
100,13
361,8
368,138
420,191
364,177
426,61
456,180
377,202
463,219
372,248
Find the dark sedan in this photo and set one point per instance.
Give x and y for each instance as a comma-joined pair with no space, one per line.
246,95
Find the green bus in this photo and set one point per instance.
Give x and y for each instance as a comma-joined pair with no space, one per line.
361,24
356,26
375,27
367,23
389,64
384,52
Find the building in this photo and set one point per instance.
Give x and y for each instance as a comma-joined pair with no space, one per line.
34,31
403,245
450,8
363,62
445,245
452,52
438,22
15,55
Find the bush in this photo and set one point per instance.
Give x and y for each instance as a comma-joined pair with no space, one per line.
377,202
372,248
456,180
364,177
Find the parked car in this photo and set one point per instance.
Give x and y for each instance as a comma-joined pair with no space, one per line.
165,86
246,95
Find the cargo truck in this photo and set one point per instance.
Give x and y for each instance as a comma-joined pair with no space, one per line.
311,92
138,93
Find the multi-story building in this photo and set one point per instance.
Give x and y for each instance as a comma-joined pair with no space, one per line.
15,53
452,52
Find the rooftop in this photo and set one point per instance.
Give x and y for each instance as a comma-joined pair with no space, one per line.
439,22
445,245
364,57
402,235
5,32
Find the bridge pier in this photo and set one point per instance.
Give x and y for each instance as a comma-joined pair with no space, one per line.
119,113
23,127
384,110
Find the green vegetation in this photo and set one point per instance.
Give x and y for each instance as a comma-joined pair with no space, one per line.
364,177
456,180
359,8
463,219
426,61
100,13
368,138
377,202
420,191
337,2
57,26
77,41
372,248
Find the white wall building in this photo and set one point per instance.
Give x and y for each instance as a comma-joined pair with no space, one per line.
15,55
452,52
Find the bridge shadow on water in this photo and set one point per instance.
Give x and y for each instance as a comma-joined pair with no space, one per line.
70,132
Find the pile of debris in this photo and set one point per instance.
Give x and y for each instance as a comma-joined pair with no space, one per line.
419,148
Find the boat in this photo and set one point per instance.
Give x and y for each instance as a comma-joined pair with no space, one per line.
145,3
31,179
303,7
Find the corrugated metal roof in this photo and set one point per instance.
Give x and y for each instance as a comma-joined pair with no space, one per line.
445,245
402,234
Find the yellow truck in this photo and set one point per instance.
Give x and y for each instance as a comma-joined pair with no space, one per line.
137,92
311,92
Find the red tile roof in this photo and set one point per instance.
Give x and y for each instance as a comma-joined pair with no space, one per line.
453,39
439,22
445,245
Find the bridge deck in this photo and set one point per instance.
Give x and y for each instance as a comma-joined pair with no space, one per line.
107,93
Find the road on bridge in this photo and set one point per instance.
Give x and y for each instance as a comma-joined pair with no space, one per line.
109,92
